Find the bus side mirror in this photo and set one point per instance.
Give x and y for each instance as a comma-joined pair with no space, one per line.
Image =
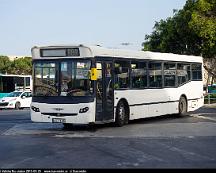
93,74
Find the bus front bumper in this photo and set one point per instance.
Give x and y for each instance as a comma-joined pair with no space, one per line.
74,114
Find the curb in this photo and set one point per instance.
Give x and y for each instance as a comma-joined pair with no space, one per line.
210,105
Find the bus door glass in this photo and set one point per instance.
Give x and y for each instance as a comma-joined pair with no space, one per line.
104,91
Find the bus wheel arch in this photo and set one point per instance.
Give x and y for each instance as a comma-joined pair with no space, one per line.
122,113
183,105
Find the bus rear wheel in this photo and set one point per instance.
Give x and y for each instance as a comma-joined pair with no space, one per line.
182,106
122,116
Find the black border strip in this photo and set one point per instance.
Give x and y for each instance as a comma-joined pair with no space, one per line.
59,114
153,103
193,99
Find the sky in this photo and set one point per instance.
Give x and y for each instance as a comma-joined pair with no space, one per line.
109,23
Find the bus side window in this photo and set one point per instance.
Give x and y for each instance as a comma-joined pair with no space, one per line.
138,74
197,71
121,74
183,73
169,74
155,74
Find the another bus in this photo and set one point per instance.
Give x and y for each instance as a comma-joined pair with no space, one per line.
81,84
12,82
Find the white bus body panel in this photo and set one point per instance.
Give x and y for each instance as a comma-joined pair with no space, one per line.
156,102
80,118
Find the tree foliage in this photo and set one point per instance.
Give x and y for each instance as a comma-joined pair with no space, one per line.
190,31
20,66
203,23
5,64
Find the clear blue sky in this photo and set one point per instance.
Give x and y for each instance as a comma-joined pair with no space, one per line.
26,23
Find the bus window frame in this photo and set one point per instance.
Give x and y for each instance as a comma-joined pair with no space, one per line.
129,75
129,60
176,80
197,71
184,63
147,73
162,74
162,64
58,66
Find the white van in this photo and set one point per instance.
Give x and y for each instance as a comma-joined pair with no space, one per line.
16,100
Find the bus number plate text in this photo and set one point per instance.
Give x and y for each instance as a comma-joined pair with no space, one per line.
58,120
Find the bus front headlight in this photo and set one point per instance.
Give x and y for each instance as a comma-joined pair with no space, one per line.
84,110
35,109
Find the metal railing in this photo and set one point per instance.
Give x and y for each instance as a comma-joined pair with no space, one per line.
210,98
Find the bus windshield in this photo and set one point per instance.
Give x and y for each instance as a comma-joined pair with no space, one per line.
62,78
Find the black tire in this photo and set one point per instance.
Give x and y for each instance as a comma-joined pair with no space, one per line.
67,126
122,116
182,106
17,105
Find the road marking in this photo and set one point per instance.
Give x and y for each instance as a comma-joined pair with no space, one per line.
202,117
173,130
186,153
11,165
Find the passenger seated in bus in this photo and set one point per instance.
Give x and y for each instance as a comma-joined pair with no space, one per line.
137,82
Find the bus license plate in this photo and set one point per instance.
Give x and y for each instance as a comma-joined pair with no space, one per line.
58,120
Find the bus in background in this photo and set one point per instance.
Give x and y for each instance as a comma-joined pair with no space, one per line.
10,83
89,84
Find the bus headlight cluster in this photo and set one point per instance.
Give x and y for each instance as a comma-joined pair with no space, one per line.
84,110
35,109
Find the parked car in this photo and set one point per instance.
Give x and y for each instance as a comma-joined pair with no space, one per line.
16,100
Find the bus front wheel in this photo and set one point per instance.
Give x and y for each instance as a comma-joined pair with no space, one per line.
121,114
182,106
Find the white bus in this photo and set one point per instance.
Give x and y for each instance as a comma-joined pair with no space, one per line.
80,84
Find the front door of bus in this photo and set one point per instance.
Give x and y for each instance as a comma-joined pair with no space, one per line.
104,90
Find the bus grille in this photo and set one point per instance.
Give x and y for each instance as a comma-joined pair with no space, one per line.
60,114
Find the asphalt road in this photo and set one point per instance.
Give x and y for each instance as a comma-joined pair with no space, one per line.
161,142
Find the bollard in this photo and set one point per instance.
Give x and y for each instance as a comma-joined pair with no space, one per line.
209,99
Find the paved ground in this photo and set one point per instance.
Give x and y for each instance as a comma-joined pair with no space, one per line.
162,142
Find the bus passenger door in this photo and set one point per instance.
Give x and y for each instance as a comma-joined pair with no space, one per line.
104,92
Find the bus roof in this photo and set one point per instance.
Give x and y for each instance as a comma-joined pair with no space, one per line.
94,51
